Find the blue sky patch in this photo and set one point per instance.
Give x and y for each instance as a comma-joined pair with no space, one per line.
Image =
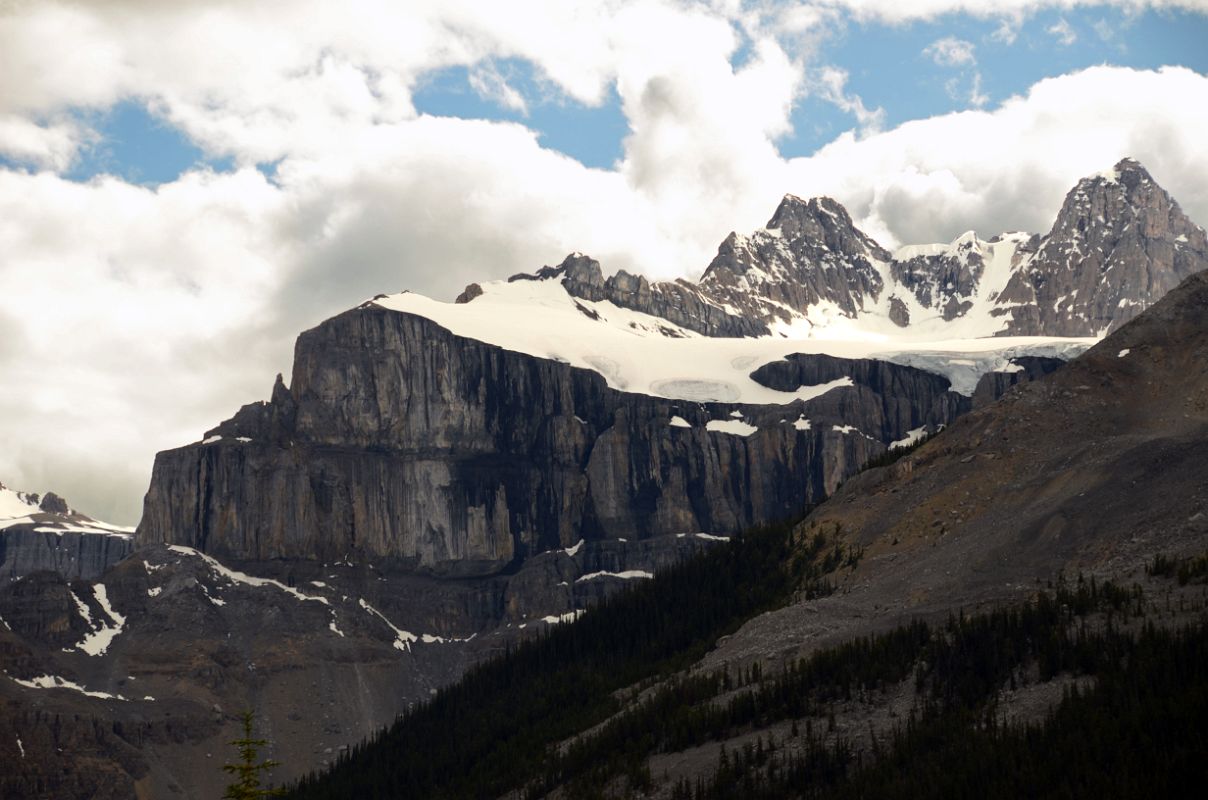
592,135
889,69
138,147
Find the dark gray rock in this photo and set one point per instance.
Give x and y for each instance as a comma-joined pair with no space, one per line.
994,385
1119,244
402,443
680,302
51,503
809,252
909,398
24,550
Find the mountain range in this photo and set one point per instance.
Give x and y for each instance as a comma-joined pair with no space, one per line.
438,481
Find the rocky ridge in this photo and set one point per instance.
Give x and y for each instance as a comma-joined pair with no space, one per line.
1118,244
41,532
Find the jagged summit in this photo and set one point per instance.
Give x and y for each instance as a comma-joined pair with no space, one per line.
1117,245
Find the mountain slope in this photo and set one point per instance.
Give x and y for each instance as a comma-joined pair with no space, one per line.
1094,469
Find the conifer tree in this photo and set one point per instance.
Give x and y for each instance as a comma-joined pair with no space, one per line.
247,770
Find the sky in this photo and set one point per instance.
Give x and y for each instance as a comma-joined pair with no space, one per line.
186,186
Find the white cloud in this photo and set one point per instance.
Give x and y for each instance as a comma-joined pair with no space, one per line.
832,87
47,146
1006,32
1063,32
951,52
491,85
977,98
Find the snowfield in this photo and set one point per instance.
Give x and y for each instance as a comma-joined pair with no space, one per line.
639,353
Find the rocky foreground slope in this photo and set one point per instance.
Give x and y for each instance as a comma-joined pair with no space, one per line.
1096,468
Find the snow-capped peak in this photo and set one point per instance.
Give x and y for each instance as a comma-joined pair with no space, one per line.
49,513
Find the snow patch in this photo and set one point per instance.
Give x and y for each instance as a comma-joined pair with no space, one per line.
154,592
16,504
640,353
82,607
97,642
569,616
55,682
734,427
911,437
1123,352
238,577
628,574
679,422
801,423
402,639
574,551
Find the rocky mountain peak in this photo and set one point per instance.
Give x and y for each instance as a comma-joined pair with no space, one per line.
1119,243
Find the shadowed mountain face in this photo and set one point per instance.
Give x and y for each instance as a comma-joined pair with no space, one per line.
404,444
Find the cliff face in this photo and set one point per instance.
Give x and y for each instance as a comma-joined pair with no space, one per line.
401,442
41,532
24,550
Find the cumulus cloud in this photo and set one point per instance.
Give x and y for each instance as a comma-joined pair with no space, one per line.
832,86
132,318
42,145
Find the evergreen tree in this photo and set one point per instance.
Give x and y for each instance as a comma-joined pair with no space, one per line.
247,770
